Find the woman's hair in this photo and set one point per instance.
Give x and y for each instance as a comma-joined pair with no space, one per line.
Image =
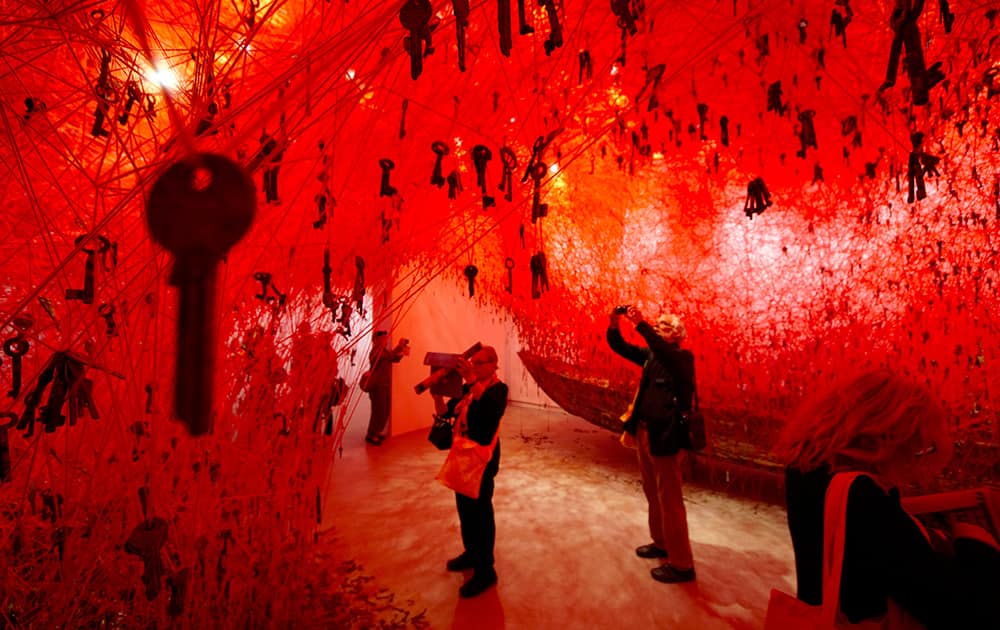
872,418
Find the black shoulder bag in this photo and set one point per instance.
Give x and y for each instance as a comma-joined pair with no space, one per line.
694,422
441,433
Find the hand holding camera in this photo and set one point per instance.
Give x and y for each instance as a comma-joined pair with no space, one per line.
630,312
403,347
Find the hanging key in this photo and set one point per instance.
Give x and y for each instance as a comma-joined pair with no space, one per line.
539,275
86,294
414,16
328,299
440,149
508,263
264,278
345,318
149,389
134,96
402,117
470,272
503,25
146,541
454,185
106,95
359,284
509,160
555,39
586,64
481,155
320,221
198,209
4,444
538,209
626,17
522,19
107,311
15,348
385,189
537,149
461,10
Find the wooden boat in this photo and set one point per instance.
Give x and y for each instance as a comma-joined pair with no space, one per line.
737,459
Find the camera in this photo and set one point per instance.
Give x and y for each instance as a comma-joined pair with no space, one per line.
444,378
621,310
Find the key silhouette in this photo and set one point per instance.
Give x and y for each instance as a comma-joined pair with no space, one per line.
503,26
461,10
481,155
15,348
86,294
470,272
440,149
414,16
146,541
198,209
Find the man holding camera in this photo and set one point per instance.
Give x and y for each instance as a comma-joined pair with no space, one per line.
651,423
477,414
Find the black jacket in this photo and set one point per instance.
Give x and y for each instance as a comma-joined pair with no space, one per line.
665,389
483,418
885,555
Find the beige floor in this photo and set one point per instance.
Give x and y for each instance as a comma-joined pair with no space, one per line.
569,513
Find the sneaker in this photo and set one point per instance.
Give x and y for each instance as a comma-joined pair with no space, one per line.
479,582
650,551
459,563
668,574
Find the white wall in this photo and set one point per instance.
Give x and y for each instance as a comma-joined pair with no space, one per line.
442,318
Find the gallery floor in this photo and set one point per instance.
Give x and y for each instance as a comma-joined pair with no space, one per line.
569,512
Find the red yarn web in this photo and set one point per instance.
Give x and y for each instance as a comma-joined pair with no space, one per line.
646,191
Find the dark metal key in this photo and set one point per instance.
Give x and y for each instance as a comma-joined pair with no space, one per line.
461,10
503,26
15,348
198,209
414,16
471,271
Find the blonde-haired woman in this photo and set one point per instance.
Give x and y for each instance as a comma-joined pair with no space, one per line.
893,430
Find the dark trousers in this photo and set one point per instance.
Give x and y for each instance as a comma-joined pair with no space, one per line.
380,397
479,529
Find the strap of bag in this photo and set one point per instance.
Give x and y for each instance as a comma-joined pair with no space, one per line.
461,423
834,534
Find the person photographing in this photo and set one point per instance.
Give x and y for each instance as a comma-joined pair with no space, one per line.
665,391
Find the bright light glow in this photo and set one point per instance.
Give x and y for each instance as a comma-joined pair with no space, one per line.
512,119
614,69
350,74
164,77
554,168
